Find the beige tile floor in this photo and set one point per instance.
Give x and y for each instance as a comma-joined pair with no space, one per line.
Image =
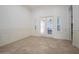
39,45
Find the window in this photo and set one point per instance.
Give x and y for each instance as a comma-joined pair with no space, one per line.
49,26
58,23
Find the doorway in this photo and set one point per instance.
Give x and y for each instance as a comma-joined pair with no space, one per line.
46,26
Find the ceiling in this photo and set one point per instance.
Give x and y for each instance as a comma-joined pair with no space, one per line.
35,6
39,6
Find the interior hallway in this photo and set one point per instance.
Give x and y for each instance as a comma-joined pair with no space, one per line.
40,45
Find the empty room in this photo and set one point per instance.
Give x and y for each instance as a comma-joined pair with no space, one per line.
39,29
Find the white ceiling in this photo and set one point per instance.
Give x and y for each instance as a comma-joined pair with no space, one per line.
39,6
35,6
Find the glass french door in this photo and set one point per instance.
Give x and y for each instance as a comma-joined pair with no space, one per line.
46,26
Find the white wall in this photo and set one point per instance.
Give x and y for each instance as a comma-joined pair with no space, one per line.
76,26
15,23
62,11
